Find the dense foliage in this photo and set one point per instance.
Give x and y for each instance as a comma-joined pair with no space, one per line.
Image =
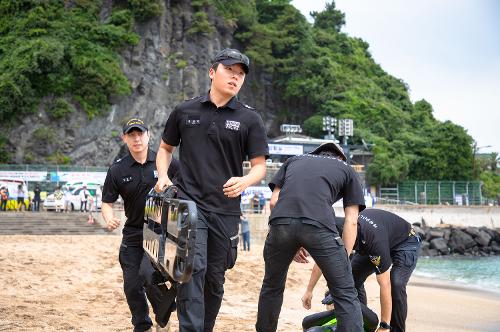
60,50
322,71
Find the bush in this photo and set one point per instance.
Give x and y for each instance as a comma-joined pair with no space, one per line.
49,49
200,24
145,9
4,155
59,158
181,64
44,134
59,109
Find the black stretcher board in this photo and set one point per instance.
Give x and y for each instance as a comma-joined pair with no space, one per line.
169,235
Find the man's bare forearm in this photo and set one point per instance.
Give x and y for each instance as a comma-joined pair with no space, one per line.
384,281
315,275
163,159
350,227
256,173
107,211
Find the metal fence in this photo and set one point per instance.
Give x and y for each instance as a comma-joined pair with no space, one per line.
434,192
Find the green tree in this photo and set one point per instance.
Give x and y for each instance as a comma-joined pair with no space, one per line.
491,184
49,49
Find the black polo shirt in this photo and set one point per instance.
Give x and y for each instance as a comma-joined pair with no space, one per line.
380,232
133,181
214,142
310,184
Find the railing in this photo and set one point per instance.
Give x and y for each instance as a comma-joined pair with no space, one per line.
435,192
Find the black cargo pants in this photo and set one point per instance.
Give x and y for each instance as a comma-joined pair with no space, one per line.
131,254
286,236
199,300
404,260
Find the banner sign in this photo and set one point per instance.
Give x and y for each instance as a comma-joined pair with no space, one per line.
28,176
286,149
94,177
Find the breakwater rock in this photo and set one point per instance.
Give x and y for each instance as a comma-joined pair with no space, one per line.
458,241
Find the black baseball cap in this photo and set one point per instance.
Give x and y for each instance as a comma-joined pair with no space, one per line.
134,123
230,56
330,146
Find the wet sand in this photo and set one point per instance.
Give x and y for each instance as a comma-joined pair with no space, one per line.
74,283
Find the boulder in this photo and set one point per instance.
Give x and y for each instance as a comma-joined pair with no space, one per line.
495,247
474,231
440,245
483,239
489,231
460,241
447,233
434,234
497,235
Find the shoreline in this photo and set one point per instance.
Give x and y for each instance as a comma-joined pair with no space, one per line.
440,283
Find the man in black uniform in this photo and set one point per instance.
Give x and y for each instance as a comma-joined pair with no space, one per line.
216,132
302,217
132,177
384,239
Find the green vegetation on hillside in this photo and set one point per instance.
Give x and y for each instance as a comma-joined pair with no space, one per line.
60,49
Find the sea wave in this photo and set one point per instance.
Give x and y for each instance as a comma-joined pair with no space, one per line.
477,273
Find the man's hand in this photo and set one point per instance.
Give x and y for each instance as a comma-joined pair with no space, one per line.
113,223
301,256
235,186
162,183
306,299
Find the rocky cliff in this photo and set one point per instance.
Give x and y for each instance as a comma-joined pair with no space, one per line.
167,66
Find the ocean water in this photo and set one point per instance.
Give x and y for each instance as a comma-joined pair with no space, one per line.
474,272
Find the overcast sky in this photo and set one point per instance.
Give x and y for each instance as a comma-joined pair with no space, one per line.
447,51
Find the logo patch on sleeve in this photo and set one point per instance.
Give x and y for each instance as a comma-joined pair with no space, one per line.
375,260
232,125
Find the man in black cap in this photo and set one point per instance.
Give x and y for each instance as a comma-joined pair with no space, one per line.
388,246
302,218
132,177
216,133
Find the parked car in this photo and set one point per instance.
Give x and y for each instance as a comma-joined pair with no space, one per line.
50,202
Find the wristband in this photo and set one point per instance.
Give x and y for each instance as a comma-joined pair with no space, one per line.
384,325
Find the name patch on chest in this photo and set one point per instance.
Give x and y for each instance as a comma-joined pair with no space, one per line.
193,120
232,125
127,179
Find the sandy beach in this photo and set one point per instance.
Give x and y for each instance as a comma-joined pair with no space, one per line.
74,283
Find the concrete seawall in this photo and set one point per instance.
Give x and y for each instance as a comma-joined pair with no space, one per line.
477,216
